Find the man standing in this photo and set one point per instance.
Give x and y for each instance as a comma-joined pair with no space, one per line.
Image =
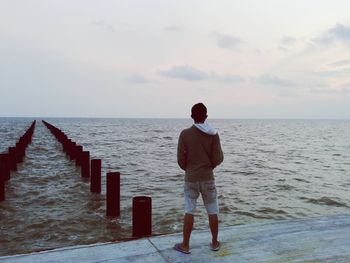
198,153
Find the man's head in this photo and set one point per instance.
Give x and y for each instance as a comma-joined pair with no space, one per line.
199,112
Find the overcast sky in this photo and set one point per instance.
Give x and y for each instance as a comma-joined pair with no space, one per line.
156,58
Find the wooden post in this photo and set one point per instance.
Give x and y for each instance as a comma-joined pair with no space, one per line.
2,178
12,163
95,181
65,146
4,166
20,152
113,194
85,164
2,187
78,150
71,150
141,216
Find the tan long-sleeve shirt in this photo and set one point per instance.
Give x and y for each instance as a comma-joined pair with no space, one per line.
198,154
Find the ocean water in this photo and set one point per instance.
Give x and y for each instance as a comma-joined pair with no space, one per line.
273,170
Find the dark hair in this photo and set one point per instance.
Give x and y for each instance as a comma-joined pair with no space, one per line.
199,112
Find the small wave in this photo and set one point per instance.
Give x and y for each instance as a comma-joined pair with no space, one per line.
324,201
245,213
248,173
153,131
300,214
226,209
285,187
269,210
301,180
41,151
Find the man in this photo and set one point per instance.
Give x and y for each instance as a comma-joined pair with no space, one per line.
198,153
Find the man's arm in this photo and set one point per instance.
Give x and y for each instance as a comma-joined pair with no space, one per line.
217,154
181,153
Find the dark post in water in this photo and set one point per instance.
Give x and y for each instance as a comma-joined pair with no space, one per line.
95,181
85,164
12,158
2,187
4,167
113,194
141,216
78,151
4,175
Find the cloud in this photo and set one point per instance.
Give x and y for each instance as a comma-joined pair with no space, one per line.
275,81
288,41
345,87
325,87
339,73
229,78
340,63
138,79
189,73
284,49
227,41
278,86
338,33
185,72
339,89
174,28
104,25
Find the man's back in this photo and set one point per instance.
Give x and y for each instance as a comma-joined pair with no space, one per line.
199,152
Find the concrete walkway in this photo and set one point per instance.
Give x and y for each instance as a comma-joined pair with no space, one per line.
325,239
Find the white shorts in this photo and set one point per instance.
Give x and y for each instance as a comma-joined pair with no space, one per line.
209,195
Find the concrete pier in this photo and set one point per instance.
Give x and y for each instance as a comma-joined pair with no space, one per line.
323,239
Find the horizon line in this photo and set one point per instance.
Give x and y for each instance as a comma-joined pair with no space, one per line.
175,118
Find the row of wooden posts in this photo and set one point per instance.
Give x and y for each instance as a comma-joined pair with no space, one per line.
15,155
142,205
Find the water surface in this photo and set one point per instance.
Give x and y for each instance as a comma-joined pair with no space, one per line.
273,169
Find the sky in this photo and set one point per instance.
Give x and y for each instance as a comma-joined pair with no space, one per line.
156,58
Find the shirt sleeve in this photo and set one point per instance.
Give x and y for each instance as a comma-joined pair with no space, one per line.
217,154
181,153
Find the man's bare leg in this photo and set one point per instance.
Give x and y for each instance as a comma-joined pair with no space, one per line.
214,228
187,229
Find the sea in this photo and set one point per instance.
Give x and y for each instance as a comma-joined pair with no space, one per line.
273,170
